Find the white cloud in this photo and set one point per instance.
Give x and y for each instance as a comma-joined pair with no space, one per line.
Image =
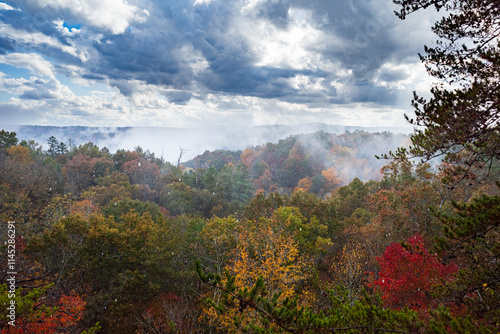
37,38
290,48
409,76
212,64
250,6
31,61
192,58
112,15
58,105
200,2
64,30
4,6
308,85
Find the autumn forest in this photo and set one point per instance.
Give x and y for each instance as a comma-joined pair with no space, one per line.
351,232
279,237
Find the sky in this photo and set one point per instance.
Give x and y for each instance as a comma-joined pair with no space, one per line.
193,63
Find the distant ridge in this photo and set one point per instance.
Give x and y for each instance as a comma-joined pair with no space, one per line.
166,141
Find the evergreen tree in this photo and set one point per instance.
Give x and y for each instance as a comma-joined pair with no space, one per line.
461,124
62,149
273,314
53,147
472,240
7,139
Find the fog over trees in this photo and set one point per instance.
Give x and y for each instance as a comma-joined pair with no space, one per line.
308,233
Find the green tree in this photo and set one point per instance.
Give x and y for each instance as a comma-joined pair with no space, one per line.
7,139
262,206
273,314
350,197
234,184
62,148
472,240
53,147
122,207
91,150
121,266
461,121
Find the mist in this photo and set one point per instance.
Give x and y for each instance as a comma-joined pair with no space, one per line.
166,143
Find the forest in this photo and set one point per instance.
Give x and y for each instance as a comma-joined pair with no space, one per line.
276,238
310,234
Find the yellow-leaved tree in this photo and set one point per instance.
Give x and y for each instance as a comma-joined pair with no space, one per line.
349,270
268,248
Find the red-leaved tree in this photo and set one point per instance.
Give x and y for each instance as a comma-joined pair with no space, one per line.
409,273
62,318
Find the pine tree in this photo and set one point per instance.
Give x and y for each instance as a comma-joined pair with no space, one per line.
472,240
461,121
53,146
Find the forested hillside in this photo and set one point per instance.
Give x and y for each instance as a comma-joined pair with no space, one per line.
280,237
165,141
310,234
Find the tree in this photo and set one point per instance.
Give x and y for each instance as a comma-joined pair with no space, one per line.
349,270
331,177
7,139
53,146
217,242
62,148
351,197
318,182
262,206
181,153
462,118
402,204
91,150
38,312
472,239
82,171
409,273
27,183
292,170
233,184
273,314
141,171
121,266
268,250
170,313
303,185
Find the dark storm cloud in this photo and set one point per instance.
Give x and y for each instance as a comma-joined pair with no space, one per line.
124,87
6,45
262,82
367,31
91,76
160,49
178,97
276,12
392,75
37,95
366,91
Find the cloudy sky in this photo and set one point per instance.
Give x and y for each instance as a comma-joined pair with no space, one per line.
191,63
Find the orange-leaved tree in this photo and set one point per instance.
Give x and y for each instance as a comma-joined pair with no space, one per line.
44,319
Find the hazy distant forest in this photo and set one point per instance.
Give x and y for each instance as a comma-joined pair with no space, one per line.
310,234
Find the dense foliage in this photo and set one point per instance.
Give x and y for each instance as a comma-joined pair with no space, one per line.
307,235
283,237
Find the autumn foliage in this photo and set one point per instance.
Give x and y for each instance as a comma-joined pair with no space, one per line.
409,273
148,247
61,318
